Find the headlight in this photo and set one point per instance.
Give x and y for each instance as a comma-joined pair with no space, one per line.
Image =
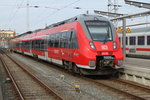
92,45
92,63
115,45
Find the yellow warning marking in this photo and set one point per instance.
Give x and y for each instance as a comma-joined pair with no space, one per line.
77,86
119,30
64,30
128,30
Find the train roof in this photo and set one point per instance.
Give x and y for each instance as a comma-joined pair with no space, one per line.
76,18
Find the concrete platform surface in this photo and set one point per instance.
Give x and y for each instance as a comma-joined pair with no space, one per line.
137,62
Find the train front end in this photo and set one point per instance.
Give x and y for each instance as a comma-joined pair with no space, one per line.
100,49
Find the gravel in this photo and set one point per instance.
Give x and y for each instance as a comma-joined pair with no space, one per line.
7,88
64,83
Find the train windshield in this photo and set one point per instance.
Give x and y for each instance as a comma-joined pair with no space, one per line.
99,30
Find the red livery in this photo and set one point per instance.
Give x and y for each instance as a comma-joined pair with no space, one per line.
85,44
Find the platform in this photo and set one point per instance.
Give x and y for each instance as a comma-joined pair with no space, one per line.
137,70
137,62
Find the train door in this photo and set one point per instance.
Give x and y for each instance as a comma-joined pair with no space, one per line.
20,47
50,45
63,46
65,51
73,45
30,47
70,50
46,47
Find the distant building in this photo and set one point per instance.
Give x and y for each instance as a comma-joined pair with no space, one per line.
7,33
5,36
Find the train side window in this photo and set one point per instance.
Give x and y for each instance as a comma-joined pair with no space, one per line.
74,41
27,45
148,40
141,40
42,45
53,40
60,40
63,40
67,39
132,40
70,40
24,44
49,41
56,40
126,40
30,44
33,45
38,44
46,43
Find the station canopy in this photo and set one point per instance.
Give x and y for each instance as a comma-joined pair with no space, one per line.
138,4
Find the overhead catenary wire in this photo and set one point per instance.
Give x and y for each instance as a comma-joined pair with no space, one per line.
14,14
60,9
40,14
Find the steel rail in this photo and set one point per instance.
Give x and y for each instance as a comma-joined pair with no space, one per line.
125,93
104,85
107,86
114,89
146,88
38,80
12,79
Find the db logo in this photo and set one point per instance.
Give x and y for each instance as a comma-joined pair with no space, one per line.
104,47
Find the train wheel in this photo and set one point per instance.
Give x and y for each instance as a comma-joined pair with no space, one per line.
66,67
70,65
76,69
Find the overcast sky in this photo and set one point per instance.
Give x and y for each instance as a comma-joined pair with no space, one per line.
14,12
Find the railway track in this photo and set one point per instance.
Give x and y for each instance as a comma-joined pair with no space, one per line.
27,85
72,87
121,88
125,88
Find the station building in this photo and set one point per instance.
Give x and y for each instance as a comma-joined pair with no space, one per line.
5,36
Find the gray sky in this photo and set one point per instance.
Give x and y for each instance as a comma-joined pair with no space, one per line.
14,12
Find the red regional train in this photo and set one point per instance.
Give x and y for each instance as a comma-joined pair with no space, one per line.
85,44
